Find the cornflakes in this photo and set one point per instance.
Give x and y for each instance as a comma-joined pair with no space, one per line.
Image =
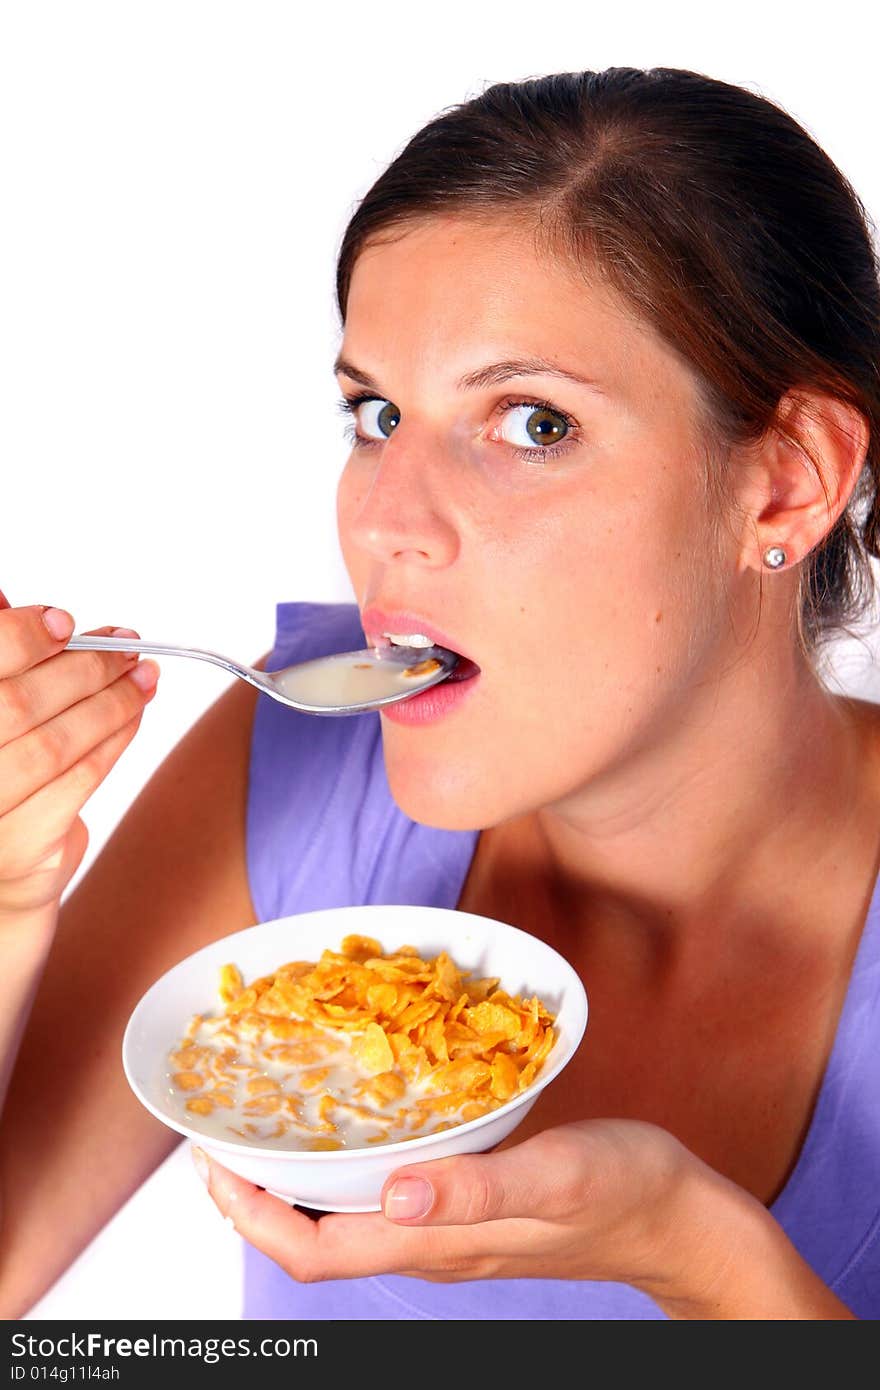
357,1048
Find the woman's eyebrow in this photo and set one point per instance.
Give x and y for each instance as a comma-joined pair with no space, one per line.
490,375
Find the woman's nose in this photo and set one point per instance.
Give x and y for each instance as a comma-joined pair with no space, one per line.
397,507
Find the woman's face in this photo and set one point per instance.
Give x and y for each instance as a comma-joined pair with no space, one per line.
558,532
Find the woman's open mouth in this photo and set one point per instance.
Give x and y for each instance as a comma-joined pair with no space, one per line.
411,630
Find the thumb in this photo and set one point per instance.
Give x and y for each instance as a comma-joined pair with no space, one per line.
466,1189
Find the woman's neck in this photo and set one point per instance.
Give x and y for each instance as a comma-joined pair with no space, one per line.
761,790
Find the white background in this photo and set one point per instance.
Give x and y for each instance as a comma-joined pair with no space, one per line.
176,177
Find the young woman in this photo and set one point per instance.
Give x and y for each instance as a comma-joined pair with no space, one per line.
610,350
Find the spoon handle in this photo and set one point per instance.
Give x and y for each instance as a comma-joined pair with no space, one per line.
130,644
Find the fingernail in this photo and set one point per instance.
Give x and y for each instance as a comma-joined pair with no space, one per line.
408,1197
145,674
124,632
59,623
200,1159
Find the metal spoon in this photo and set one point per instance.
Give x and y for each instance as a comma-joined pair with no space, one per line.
345,683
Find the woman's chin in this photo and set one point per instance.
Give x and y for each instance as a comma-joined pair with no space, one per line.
444,803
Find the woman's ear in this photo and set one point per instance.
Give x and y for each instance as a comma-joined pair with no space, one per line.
800,477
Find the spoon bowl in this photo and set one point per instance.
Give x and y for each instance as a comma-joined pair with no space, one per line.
344,683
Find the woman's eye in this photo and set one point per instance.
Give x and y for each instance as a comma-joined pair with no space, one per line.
526,425
377,418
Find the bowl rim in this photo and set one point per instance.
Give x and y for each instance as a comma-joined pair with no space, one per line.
532,1091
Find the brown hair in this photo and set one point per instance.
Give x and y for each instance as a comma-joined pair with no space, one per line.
717,217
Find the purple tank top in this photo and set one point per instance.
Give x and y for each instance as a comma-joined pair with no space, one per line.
324,831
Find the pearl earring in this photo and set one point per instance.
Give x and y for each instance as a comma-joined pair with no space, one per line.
774,557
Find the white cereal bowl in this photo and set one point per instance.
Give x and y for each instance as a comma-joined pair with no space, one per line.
350,1179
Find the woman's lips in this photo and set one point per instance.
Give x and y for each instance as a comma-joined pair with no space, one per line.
437,702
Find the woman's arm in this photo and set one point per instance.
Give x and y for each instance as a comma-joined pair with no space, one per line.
742,1264
74,1142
